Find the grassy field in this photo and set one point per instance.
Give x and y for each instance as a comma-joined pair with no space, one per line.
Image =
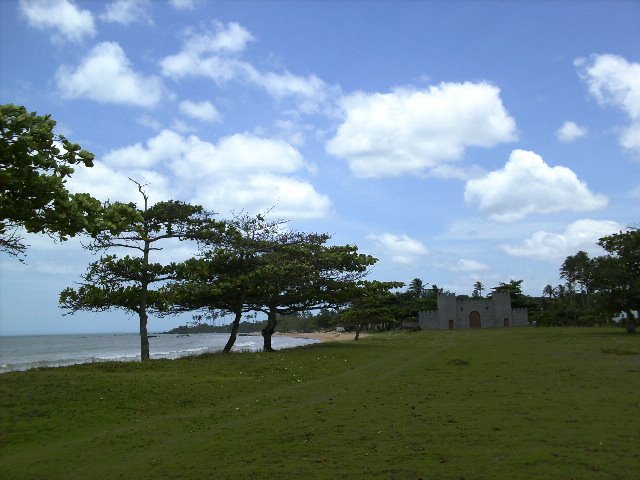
488,404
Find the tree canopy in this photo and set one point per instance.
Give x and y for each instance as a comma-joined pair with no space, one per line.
125,282
35,163
597,289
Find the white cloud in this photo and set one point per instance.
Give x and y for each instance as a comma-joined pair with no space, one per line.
579,235
399,248
237,155
221,39
127,12
570,131
289,197
182,4
413,131
213,54
149,122
63,16
106,76
528,185
107,183
228,175
469,265
204,111
614,81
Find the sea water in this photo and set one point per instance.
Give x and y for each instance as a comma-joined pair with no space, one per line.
37,351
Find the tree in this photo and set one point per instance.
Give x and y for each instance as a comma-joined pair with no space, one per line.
576,270
518,299
478,288
372,303
300,273
35,164
417,289
260,266
223,277
126,282
548,291
616,276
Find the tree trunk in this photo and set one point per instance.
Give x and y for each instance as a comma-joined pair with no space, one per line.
144,337
234,332
631,321
357,332
268,330
144,286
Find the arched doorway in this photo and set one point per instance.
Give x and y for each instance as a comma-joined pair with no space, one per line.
474,320
450,324
506,322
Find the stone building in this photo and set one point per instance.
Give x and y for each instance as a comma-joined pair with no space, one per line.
454,313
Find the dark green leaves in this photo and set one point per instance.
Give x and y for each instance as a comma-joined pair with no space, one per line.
33,172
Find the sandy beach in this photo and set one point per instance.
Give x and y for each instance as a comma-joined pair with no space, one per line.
324,336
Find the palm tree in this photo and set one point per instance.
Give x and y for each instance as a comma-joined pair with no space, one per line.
417,288
478,288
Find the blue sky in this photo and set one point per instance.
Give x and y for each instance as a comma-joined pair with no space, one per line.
455,141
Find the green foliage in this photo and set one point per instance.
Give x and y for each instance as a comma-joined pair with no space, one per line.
616,277
372,303
478,288
499,404
597,288
133,283
518,299
257,265
34,166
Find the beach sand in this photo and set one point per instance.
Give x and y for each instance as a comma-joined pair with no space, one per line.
324,336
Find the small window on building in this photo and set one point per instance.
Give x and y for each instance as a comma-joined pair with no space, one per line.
486,308
462,309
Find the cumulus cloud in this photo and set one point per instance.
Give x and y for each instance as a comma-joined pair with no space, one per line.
214,54
414,131
570,131
204,111
127,12
105,182
106,75
290,198
528,185
182,4
62,16
399,248
229,175
468,265
579,235
614,81
206,53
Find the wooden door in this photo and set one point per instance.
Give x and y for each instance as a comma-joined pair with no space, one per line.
474,320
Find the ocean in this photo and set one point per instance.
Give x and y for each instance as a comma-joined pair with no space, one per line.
39,351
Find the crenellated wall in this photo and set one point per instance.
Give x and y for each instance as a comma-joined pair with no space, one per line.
454,313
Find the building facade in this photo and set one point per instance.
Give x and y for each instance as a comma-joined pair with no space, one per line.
456,313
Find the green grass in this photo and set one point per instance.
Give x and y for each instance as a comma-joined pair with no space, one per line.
488,404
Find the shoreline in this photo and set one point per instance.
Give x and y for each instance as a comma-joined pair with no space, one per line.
322,337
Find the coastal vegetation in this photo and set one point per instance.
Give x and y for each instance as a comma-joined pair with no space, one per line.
541,403
247,264
35,163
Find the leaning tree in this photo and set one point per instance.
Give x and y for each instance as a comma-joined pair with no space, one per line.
302,273
221,280
133,282
261,266
35,164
